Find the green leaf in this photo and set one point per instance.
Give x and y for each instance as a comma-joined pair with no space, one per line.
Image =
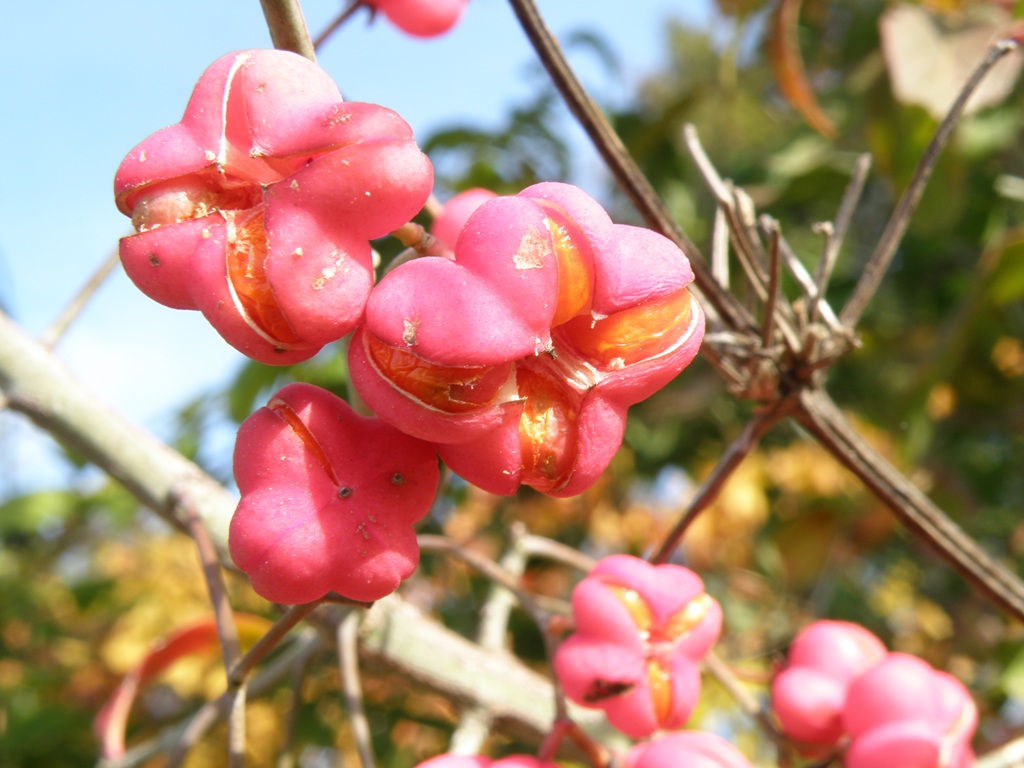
34,512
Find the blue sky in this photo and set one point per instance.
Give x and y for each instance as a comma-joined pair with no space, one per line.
84,82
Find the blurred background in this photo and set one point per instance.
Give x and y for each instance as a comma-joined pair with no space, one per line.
88,581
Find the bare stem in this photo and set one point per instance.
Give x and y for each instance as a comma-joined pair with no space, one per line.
541,546
738,450
288,27
348,662
737,212
768,321
227,633
803,277
718,669
476,721
74,308
488,568
240,671
335,25
820,416
896,227
847,207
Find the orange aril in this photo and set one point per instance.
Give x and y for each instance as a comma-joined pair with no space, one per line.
447,388
632,335
288,415
246,256
547,431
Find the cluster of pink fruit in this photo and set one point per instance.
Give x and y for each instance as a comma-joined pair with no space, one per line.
514,356
692,749
841,687
640,633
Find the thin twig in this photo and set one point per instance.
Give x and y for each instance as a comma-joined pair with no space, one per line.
803,277
823,272
738,450
816,411
719,670
549,549
270,639
768,320
475,722
227,632
835,233
720,248
891,237
52,335
487,568
297,674
305,646
738,212
352,690
335,25
288,27
231,703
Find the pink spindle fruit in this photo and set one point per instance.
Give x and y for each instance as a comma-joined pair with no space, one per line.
520,356
447,226
328,499
257,208
421,18
641,631
477,761
902,713
686,749
808,696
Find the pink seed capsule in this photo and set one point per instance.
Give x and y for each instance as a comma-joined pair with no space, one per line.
641,631
258,207
422,18
520,356
328,499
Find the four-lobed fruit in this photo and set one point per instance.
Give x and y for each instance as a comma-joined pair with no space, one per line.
258,207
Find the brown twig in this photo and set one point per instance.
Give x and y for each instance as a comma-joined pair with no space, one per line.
231,704
288,27
227,632
839,227
475,722
769,319
817,413
52,335
756,427
895,228
240,671
335,25
736,209
487,568
352,690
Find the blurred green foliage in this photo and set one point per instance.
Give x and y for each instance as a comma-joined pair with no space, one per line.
937,385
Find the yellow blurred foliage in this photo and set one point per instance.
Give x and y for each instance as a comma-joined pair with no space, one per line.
1008,357
161,583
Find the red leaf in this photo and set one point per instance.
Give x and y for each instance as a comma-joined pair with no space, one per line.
109,725
784,54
